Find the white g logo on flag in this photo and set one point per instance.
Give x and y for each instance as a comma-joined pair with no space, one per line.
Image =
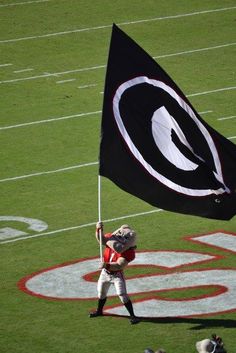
163,124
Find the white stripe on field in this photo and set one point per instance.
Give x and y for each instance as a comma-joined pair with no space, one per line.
88,86
50,120
63,118
24,3
206,112
23,70
119,24
47,74
62,169
4,65
194,50
49,172
213,91
227,117
64,81
81,226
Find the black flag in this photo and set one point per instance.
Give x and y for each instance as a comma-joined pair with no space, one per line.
154,144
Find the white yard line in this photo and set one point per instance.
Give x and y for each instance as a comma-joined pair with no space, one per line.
80,226
23,70
49,172
4,65
65,81
63,118
69,168
231,138
227,117
194,50
206,112
47,74
213,91
88,86
99,111
48,35
50,120
24,3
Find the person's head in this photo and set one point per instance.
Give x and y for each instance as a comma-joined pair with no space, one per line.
205,346
125,235
214,345
148,350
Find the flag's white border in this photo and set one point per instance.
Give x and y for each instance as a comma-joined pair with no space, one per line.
192,192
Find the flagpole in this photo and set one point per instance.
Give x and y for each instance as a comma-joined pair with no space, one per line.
99,215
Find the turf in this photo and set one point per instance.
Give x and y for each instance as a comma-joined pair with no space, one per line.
68,198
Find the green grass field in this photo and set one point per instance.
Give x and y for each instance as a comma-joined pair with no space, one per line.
53,62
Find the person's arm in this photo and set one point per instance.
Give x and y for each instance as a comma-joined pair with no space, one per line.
119,265
99,228
117,246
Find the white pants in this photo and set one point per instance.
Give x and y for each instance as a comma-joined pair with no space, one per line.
106,280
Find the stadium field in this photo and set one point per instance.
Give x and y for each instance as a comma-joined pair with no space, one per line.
52,72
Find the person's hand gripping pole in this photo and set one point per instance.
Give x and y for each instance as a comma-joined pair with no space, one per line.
99,235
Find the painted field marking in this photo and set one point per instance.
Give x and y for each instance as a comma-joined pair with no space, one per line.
50,120
213,91
220,240
88,86
206,112
71,167
65,81
194,50
64,118
178,16
4,65
23,70
222,300
88,29
55,74
97,67
227,117
78,282
81,226
75,280
24,3
50,171
60,170
32,224
48,74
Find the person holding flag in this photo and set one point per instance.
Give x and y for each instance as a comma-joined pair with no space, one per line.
119,251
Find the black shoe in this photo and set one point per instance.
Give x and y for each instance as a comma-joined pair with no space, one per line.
96,313
134,320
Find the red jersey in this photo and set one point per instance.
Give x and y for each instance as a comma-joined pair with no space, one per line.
112,256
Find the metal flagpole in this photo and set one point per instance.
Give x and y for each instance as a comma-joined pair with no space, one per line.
99,215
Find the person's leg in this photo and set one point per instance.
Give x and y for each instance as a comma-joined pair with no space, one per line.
129,306
102,288
121,290
99,311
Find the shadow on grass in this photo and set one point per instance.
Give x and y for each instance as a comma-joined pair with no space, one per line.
199,323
